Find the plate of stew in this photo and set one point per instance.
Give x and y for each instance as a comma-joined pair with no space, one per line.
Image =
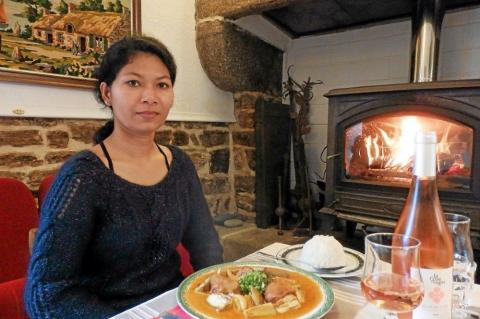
257,290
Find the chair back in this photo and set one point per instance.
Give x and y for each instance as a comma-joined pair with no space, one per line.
43,189
18,214
186,267
11,299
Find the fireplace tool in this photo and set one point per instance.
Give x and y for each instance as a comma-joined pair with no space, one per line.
300,96
280,210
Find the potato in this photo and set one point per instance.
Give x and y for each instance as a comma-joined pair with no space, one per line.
266,309
204,287
256,296
239,303
286,303
300,295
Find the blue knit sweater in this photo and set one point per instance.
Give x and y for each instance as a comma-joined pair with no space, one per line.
105,244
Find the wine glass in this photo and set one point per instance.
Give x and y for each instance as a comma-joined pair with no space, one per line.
463,263
391,277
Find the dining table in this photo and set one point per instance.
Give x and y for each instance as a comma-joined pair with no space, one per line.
349,302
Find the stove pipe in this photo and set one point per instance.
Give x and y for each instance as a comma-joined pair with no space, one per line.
426,26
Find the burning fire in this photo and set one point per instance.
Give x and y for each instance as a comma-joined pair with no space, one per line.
387,143
400,152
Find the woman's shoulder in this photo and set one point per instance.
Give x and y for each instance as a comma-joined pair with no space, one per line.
80,171
177,152
180,159
82,163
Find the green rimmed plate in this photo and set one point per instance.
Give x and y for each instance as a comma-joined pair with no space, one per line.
318,311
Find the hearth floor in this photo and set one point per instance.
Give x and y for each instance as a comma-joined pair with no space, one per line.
244,240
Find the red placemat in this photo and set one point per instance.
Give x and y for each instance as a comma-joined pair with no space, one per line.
174,313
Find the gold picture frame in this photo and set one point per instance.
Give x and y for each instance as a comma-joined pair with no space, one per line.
63,44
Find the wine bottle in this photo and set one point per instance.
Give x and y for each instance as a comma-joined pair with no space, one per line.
422,217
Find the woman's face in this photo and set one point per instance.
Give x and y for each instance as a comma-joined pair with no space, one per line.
141,95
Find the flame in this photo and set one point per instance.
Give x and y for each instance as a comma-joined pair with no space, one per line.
385,151
402,148
372,149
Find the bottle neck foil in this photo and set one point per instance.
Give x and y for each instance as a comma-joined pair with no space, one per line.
425,160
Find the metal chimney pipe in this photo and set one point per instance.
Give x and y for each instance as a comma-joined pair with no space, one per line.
426,26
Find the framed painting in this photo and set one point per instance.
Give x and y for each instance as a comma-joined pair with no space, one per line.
60,42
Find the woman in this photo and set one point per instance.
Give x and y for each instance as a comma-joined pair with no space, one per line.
115,213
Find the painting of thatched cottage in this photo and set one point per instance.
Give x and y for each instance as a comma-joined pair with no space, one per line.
82,31
61,41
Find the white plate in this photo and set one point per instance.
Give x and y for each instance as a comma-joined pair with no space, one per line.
354,260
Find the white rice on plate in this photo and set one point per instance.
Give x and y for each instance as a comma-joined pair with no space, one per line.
323,252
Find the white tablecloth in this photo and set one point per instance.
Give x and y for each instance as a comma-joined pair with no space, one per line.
349,301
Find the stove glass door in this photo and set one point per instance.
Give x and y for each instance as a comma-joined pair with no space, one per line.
381,149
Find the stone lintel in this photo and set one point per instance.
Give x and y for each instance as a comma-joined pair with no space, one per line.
236,61
234,9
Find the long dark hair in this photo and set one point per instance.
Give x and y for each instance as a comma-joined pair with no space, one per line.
119,55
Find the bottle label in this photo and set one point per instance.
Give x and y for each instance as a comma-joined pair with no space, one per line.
437,299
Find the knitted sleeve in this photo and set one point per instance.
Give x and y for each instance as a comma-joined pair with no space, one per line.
53,288
200,238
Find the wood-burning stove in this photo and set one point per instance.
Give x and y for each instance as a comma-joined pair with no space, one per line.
370,148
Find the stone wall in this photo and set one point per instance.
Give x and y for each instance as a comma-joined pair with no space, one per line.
243,140
243,136
31,148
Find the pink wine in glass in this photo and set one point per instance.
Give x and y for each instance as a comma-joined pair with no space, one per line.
392,292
